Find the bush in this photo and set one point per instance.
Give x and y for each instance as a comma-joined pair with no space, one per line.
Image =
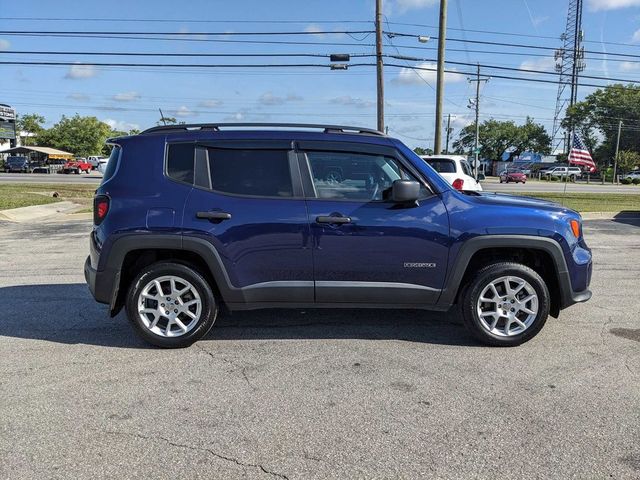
636,181
554,179
625,181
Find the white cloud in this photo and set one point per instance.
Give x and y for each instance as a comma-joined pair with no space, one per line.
79,70
352,101
315,29
121,125
210,103
405,5
78,97
598,5
636,36
629,66
269,98
4,44
182,111
412,76
547,64
126,96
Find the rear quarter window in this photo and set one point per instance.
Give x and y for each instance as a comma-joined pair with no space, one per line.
112,163
180,162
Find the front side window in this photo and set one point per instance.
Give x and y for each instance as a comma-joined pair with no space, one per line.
263,173
355,176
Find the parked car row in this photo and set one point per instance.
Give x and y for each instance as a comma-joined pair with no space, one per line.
22,164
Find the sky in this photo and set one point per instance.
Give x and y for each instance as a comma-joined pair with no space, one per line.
129,97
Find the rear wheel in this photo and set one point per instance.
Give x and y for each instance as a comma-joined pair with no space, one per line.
171,305
505,304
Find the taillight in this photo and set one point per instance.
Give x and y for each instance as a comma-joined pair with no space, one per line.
100,208
458,183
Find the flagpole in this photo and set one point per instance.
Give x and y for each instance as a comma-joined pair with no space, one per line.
564,193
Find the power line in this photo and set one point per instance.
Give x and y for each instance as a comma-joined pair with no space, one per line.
164,20
166,54
170,33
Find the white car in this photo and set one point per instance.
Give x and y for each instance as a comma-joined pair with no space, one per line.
102,164
571,172
455,169
95,161
633,175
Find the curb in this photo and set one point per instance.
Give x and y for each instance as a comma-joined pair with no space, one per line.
38,212
610,215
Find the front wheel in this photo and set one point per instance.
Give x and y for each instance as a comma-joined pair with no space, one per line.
505,304
171,305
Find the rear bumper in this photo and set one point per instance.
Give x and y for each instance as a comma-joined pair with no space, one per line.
101,283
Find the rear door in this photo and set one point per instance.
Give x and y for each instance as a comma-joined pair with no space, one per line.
367,249
247,204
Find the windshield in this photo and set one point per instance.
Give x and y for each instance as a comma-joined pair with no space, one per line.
15,160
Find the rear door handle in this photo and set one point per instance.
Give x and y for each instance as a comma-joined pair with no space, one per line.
214,215
335,220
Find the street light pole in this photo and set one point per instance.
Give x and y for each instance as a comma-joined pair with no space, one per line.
379,67
446,148
615,160
442,35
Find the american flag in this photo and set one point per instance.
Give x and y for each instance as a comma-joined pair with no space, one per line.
579,155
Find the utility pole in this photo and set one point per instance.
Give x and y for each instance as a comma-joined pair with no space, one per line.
615,161
379,66
446,150
476,103
442,36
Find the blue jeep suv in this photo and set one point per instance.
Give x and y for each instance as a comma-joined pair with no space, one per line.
189,219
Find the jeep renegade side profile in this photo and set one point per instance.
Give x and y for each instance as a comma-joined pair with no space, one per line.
250,216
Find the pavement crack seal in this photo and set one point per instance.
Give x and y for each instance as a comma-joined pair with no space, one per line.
199,449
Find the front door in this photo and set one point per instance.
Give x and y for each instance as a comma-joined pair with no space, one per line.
248,206
367,249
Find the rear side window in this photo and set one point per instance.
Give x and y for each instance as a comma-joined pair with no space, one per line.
112,163
180,162
442,166
263,173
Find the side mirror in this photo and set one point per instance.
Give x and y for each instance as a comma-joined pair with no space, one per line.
404,191
481,176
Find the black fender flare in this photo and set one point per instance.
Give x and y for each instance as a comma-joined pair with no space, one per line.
474,245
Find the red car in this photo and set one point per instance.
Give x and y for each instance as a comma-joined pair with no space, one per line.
513,176
76,166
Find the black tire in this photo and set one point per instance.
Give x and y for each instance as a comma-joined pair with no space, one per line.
483,277
209,304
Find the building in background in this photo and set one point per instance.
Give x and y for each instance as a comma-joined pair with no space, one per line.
7,127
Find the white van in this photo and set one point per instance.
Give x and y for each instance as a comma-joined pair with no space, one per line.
455,169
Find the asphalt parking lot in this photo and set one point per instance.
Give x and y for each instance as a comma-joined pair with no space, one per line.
328,394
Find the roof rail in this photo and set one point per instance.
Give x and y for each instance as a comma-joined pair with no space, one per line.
216,127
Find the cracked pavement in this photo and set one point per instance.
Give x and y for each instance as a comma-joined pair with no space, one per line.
312,394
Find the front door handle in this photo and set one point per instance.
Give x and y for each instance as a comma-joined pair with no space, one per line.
214,215
334,220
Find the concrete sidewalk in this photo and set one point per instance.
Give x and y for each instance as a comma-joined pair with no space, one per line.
38,212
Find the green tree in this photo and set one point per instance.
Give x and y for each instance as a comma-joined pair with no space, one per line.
628,159
32,125
496,137
167,121
82,136
598,116
423,151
